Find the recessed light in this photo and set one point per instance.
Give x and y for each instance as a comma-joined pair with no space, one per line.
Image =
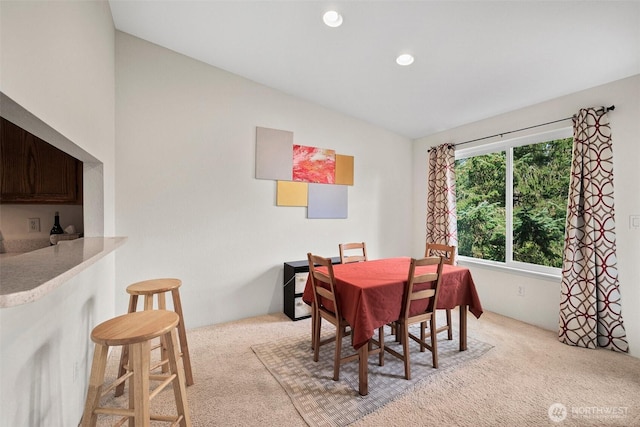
404,59
332,18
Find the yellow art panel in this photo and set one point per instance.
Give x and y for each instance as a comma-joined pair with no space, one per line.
344,170
290,193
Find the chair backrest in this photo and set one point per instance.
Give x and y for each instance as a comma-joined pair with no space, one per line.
347,250
446,251
324,296
415,278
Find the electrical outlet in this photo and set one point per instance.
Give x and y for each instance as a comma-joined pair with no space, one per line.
34,225
520,290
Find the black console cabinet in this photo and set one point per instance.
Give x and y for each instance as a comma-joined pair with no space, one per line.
295,280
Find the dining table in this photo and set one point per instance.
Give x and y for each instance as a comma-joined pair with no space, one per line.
370,295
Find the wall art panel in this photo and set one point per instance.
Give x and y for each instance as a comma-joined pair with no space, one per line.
312,164
290,193
274,154
327,201
344,169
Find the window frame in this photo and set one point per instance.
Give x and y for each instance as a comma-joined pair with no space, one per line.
534,270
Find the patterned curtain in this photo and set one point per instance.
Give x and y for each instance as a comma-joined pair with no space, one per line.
590,309
441,196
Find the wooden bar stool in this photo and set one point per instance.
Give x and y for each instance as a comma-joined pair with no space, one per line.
135,331
158,287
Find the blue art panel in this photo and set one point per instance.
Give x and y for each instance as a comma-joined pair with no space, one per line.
327,201
274,154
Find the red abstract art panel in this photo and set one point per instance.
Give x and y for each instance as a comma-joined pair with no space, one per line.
312,164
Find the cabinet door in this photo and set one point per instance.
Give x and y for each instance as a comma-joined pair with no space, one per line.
34,171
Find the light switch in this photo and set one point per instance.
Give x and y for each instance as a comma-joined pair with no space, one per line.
634,222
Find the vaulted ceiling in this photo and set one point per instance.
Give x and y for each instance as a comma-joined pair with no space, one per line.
473,59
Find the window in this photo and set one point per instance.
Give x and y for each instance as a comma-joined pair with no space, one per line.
512,199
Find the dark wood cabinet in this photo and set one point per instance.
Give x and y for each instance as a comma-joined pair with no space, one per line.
295,280
34,171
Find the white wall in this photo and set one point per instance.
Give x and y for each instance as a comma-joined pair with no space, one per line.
187,199
57,64
540,305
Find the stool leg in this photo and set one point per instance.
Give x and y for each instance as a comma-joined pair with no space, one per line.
176,364
182,334
124,356
162,305
139,383
148,302
132,390
98,367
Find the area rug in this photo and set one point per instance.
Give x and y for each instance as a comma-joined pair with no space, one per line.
324,402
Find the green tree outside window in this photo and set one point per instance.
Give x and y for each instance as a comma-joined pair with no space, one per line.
541,174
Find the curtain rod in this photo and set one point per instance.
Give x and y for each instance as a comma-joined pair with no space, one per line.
602,109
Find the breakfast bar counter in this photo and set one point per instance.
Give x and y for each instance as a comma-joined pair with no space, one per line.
27,277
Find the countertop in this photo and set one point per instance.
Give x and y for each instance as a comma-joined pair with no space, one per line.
26,277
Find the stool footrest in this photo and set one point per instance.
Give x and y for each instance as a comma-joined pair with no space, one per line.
116,383
159,364
126,413
167,418
114,411
166,380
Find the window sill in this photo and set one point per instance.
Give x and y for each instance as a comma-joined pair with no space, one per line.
491,265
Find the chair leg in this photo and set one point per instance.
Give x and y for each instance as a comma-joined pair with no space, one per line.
313,328
381,341
405,349
434,341
336,361
449,327
316,337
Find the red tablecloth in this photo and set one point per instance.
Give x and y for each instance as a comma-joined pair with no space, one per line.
370,293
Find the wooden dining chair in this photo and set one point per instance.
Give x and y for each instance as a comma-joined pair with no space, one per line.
326,306
449,254
352,252
409,317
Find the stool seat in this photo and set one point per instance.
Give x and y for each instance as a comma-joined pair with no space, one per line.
153,286
135,327
134,332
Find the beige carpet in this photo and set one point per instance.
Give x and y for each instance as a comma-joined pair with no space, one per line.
513,384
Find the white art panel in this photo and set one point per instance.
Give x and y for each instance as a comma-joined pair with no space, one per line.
327,201
274,154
